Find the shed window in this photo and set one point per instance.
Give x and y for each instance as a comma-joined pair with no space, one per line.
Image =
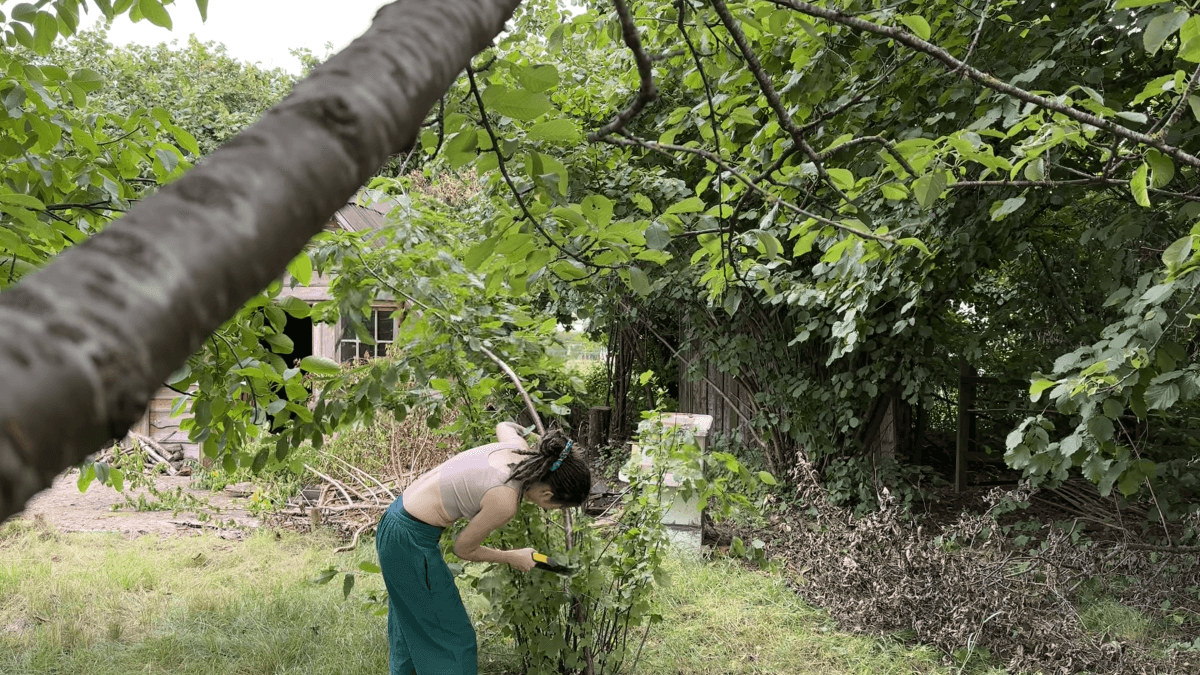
380,325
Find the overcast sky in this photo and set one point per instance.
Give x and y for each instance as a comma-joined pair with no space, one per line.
257,30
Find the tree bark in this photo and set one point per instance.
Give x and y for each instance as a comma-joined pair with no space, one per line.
85,342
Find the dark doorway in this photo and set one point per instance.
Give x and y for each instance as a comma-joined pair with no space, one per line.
301,333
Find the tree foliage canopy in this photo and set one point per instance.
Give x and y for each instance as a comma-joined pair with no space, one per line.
830,201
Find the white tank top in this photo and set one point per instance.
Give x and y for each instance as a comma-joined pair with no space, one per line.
466,476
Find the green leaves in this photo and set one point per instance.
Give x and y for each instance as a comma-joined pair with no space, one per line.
929,187
45,29
520,104
1160,28
301,268
842,178
1137,186
917,25
319,365
559,131
1162,396
87,79
1003,208
460,149
537,78
638,281
154,11
1038,386
1162,169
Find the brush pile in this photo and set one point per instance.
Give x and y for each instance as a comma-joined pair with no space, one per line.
971,590
154,455
361,471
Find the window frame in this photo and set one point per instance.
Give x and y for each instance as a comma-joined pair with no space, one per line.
378,313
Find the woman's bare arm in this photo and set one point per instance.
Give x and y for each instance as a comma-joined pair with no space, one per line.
508,432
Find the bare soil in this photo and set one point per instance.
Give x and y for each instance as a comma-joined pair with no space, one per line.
69,510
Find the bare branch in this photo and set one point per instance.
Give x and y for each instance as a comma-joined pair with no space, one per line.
768,90
517,382
647,92
912,41
975,40
665,149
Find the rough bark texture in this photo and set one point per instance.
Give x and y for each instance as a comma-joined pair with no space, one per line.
86,341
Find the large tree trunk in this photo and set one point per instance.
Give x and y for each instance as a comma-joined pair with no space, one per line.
85,342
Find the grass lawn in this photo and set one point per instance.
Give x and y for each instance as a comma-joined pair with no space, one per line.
105,605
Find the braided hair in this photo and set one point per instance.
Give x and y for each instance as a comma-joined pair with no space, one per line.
569,478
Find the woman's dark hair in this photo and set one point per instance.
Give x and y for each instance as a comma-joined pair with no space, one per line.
570,482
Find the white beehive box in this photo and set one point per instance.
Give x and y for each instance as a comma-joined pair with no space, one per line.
681,517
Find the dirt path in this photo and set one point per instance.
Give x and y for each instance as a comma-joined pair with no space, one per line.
69,510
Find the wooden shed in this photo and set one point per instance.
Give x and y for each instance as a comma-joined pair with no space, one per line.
335,342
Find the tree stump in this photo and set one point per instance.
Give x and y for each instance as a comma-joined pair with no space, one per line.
598,419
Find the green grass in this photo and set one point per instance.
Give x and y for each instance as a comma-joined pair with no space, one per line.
719,617
106,605
1110,619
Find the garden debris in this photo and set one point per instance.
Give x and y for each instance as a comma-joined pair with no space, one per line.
967,588
154,454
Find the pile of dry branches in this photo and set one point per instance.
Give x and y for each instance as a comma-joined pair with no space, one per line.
969,590
351,496
152,452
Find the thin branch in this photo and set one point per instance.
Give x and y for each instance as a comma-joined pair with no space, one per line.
708,94
975,40
912,41
364,473
887,145
502,165
341,488
1183,103
96,207
662,148
1054,285
179,391
857,99
517,382
768,90
647,92
1096,180
120,138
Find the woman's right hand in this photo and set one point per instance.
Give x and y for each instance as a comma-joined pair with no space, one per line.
522,558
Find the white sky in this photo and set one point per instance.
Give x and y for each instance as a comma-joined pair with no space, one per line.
256,30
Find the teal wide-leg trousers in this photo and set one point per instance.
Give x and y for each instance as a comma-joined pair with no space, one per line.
429,631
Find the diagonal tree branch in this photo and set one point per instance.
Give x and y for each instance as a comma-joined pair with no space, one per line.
913,42
666,150
93,335
502,164
768,90
647,92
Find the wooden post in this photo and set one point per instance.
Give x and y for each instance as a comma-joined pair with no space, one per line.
598,419
918,435
966,403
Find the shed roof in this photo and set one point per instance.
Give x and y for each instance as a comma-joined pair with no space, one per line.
366,211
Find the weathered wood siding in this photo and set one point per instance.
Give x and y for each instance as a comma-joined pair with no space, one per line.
704,397
889,431
159,425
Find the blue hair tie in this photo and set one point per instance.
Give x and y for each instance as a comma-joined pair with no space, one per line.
563,455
